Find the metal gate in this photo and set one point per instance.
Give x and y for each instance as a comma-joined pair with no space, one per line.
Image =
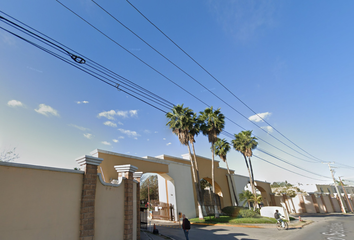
163,211
143,218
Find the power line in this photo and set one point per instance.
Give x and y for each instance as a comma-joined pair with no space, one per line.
108,74
213,78
171,79
78,66
287,169
287,162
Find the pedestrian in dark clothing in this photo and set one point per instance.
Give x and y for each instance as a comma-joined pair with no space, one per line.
186,226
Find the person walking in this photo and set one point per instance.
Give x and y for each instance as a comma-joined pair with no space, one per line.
186,226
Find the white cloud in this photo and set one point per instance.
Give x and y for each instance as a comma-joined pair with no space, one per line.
155,132
109,123
108,114
78,102
122,113
129,133
46,110
258,117
164,138
79,127
269,129
168,144
106,143
133,113
120,137
148,140
147,131
115,140
88,135
14,103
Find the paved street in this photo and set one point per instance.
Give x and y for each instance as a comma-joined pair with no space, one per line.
330,227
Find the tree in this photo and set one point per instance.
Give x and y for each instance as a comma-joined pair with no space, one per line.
182,122
245,143
221,148
193,132
149,189
212,123
247,197
8,156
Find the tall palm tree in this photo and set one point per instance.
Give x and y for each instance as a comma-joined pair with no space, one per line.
212,123
181,122
193,132
221,148
245,143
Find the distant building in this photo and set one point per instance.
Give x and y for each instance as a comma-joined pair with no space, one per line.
332,190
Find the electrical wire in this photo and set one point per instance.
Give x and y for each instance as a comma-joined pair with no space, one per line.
79,66
287,162
172,80
214,79
287,169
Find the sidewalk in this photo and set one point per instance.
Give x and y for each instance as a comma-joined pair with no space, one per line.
145,235
293,224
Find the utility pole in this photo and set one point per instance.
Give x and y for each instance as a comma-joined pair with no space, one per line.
346,195
335,185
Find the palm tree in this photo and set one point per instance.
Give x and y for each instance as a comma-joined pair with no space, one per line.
245,143
181,122
212,123
221,148
247,197
193,132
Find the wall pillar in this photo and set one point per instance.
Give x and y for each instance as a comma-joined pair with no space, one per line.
87,211
302,203
126,171
285,197
315,204
272,199
323,203
137,177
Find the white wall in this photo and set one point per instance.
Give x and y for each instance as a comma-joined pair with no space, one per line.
184,195
240,183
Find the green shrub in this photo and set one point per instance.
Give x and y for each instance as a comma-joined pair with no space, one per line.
231,211
246,213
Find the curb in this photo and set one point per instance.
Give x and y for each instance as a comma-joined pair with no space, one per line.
297,226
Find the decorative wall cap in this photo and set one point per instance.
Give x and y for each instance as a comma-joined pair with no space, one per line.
137,174
125,168
85,160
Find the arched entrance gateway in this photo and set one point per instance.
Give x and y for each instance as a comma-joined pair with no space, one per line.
175,178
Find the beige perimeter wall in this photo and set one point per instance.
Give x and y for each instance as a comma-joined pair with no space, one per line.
39,203
109,211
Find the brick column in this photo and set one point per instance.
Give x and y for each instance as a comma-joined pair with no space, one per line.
87,211
137,176
126,171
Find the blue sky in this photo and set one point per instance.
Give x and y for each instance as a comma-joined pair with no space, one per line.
290,61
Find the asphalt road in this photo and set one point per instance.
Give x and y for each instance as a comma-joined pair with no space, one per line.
324,227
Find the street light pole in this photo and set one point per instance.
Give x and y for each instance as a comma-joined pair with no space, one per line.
335,185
